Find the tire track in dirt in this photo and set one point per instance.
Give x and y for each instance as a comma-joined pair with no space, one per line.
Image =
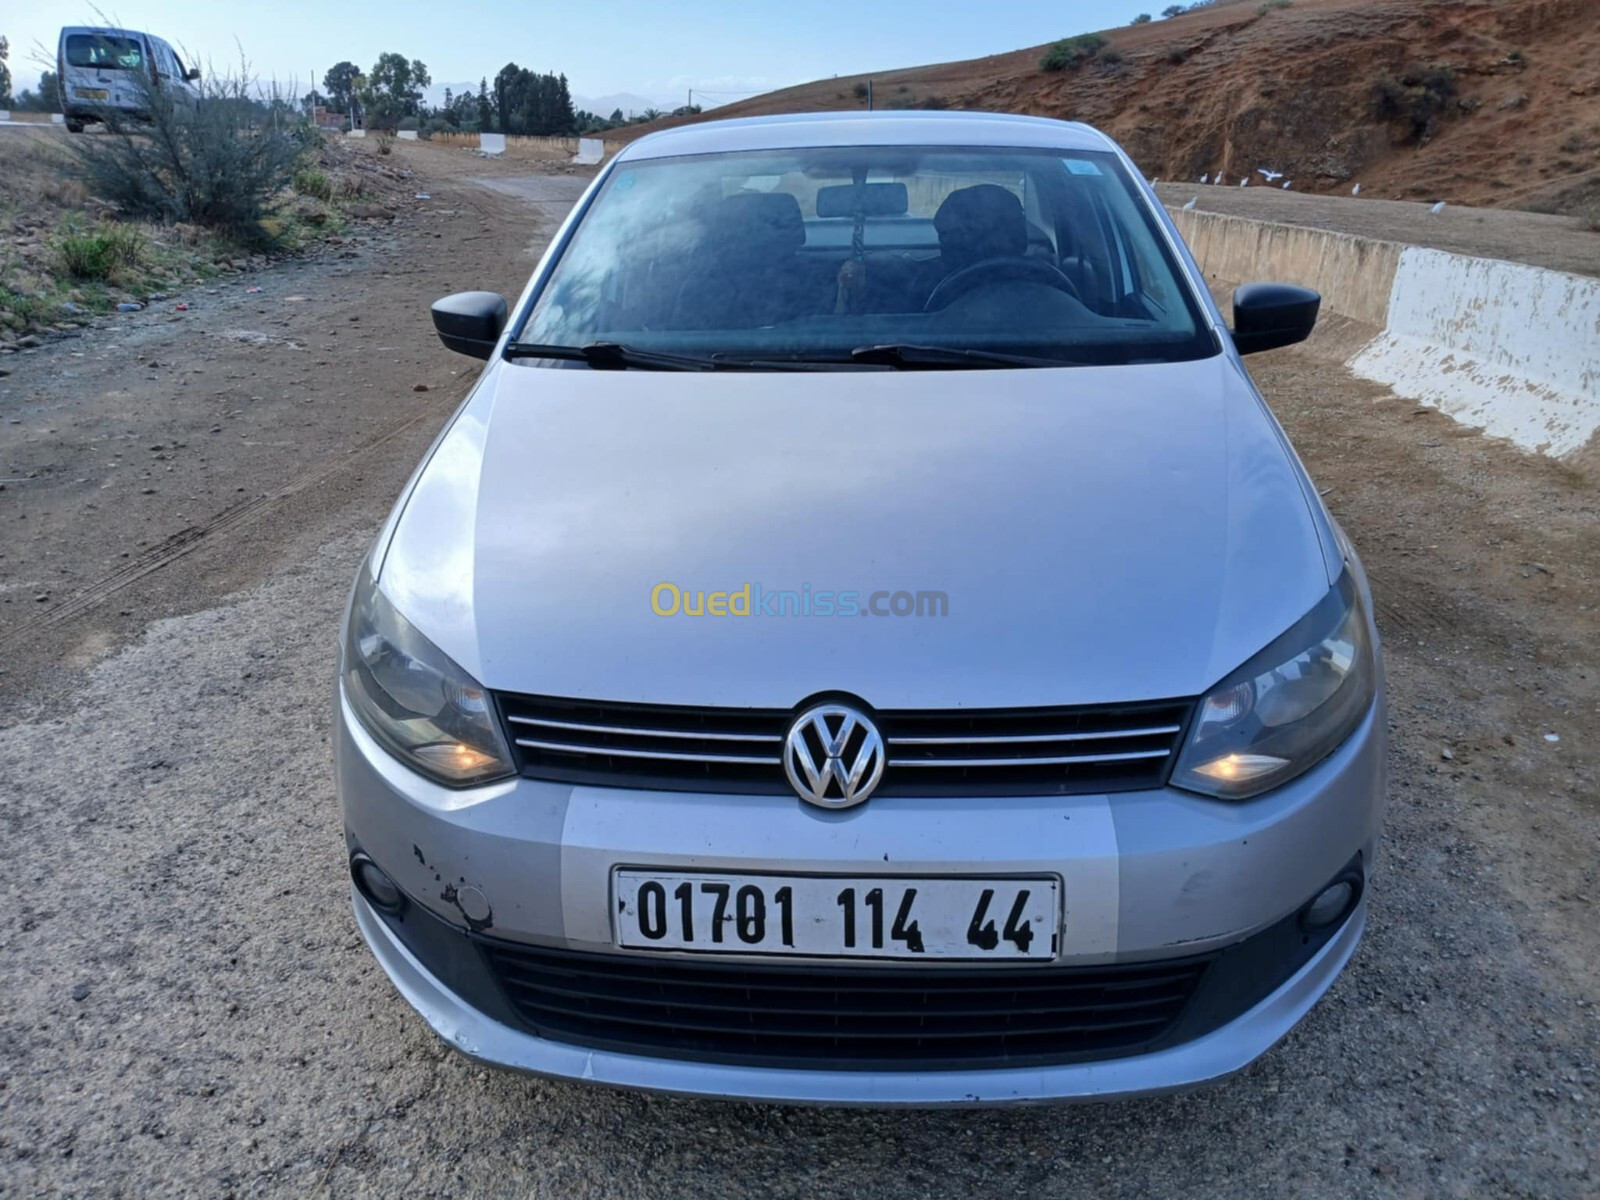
192,538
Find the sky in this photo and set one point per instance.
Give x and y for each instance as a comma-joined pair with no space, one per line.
724,49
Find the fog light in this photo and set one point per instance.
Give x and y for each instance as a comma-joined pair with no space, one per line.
380,891
1332,904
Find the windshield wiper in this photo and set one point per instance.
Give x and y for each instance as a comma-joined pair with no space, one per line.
912,358
613,356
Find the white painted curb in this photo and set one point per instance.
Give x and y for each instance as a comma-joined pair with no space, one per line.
1513,348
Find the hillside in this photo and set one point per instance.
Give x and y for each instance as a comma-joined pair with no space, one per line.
1487,102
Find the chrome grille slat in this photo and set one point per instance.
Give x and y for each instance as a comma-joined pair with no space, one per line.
628,731
1028,760
957,739
670,756
930,752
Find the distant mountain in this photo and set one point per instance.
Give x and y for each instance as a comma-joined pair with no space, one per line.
628,102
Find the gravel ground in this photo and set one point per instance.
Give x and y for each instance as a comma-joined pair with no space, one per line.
191,1012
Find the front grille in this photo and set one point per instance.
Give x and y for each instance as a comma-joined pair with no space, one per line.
860,1018
1023,751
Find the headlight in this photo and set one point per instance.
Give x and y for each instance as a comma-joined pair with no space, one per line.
426,710
1287,708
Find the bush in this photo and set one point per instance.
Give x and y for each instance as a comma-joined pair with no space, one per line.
309,181
407,123
105,253
1173,10
208,163
1416,99
385,142
1071,53
1111,57
860,91
1141,19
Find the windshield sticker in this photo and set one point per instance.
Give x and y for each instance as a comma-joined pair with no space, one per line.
1081,166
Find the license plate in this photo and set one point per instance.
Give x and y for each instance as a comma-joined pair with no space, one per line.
91,93
837,916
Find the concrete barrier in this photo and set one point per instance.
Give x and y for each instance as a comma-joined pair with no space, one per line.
355,133
406,135
58,118
5,114
590,151
1510,348
1355,275
1513,348
493,144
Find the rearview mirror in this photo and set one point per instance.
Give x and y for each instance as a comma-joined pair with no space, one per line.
470,322
1269,315
876,199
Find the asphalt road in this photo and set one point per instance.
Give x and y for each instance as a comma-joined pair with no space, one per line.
189,1010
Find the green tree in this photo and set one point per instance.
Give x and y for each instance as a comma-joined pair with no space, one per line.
1142,19
394,88
340,85
1173,10
485,110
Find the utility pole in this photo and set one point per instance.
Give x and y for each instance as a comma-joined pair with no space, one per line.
869,95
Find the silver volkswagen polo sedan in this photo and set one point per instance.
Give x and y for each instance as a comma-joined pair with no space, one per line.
864,639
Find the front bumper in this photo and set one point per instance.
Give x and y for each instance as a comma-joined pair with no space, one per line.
1146,876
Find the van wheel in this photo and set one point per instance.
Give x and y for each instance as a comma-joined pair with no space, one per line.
74,126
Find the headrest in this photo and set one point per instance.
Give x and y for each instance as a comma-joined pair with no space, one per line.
766,221
985,221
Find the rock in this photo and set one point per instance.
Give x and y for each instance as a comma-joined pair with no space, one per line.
80,991
28,342
1446,755
1510,102
419,387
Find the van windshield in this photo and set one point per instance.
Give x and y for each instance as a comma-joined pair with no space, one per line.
815,253
105,52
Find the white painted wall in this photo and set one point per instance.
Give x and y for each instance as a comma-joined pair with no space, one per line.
406,135
1513,348
590,151
492,143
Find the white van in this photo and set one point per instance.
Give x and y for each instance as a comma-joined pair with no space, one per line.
100,69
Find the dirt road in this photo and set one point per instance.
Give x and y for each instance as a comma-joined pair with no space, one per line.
190,1011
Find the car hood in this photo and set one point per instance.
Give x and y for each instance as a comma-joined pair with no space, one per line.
1101,534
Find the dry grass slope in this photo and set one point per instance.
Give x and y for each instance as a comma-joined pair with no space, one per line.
1487,102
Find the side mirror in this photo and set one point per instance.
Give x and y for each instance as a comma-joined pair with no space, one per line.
470,322
192,75
1269,315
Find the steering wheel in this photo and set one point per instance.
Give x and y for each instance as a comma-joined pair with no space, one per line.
994,270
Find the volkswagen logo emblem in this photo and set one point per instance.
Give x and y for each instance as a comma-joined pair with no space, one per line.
833,756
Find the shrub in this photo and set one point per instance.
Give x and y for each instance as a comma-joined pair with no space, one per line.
209,163
1172,10
104,253
385,142
1111,57
860,91
407,123
1272,4
1416,99
309,181
1071,53
1141,19
935,103
1589,216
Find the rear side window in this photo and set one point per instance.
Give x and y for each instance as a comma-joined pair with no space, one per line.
104,52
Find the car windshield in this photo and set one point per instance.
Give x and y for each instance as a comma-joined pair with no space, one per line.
812,254
103,51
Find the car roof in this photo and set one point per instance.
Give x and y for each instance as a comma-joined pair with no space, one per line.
898,128
110,30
